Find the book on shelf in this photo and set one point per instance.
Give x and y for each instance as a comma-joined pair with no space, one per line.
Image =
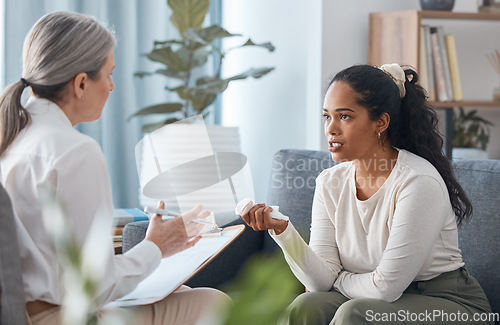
430,64
444,60
117,238
123,216
117,230
422,64
439,71
456,84
438,65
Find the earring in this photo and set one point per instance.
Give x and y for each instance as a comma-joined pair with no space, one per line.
378,135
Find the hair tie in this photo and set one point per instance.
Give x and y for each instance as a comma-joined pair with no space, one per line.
397,74
25,82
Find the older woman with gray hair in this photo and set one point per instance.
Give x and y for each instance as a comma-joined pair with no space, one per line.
67,64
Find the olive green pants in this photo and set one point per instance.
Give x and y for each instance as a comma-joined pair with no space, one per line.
451,298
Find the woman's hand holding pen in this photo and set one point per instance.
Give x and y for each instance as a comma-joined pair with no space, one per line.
177,234
259,218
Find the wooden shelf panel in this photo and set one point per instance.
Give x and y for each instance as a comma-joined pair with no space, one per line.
395,37
436,14
469,103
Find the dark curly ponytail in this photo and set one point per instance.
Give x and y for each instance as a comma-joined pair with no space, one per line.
413,124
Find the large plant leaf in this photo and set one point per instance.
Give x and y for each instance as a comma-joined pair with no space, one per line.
252,72
164,72
215,86
193,35
172,73
159,109
208,34
175,60
141,74
172,41
153,126
213,32
188,13
203,80
270,47
200,57
182,91
199,98
181,60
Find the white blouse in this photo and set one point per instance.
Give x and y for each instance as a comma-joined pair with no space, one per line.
375,248
51,154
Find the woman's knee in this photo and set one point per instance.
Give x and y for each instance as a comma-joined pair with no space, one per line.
306,302
312,308
214,296
355,311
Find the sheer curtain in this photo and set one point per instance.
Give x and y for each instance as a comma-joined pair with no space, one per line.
136,24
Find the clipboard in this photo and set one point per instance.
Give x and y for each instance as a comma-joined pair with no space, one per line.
177,269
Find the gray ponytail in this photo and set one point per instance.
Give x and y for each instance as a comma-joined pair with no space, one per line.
13,117
58,47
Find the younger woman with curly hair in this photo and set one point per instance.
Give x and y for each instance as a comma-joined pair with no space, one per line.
384,243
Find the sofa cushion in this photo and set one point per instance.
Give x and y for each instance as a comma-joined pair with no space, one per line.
479,239
12,305
292,184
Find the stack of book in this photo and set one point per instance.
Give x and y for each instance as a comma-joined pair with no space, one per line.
438,65
123,216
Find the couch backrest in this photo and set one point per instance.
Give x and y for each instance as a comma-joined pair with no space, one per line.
479,239
292,188
12,305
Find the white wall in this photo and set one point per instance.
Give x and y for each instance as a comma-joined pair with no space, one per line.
274,112
2,76
314,40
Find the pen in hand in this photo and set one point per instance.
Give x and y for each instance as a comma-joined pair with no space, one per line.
167,215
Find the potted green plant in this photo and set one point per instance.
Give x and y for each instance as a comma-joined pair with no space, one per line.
187,141
193,49
471,135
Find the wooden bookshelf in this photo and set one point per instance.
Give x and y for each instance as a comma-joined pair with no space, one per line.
394,37
468,103
436,14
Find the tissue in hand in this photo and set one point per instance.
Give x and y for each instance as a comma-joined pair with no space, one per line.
275,214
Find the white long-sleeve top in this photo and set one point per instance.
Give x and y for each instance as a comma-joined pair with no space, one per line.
50,153
375,248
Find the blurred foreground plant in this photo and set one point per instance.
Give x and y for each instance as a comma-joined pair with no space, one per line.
262,291
80,266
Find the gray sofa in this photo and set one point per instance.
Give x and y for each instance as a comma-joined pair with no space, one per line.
12,306
292,187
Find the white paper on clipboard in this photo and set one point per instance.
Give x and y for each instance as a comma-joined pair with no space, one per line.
174,270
